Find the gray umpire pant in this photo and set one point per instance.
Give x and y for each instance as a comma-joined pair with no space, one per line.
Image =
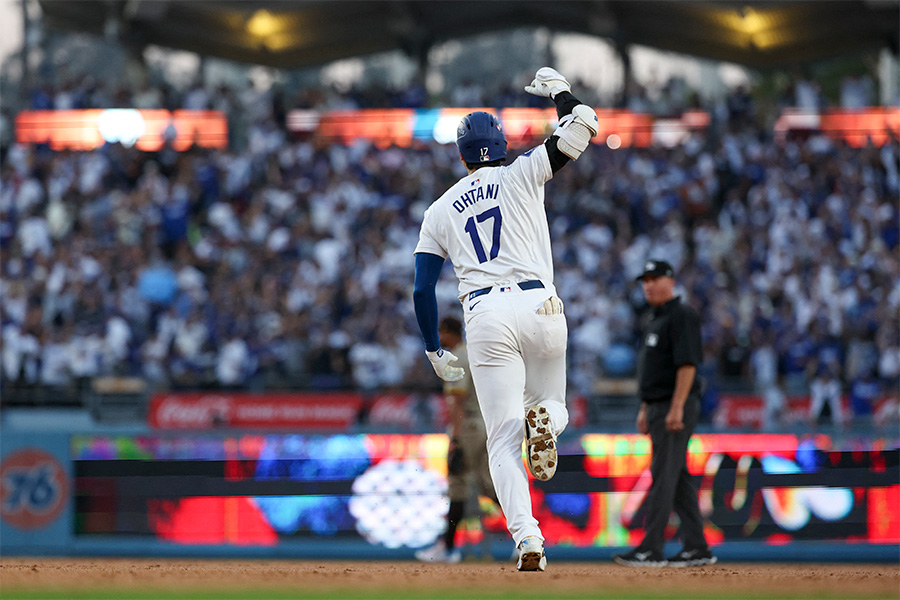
672,486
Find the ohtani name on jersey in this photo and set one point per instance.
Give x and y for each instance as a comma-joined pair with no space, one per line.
474,196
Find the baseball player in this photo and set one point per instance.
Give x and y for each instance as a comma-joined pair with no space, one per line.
493,226
467,464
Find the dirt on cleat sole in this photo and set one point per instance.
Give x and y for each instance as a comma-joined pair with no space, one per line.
531,561
540,444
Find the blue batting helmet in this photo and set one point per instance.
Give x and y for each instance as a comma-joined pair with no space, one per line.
480,138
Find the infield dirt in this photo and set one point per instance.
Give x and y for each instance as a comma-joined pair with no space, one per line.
172,578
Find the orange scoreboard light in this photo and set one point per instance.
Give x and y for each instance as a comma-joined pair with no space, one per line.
876,125
146,130
403,127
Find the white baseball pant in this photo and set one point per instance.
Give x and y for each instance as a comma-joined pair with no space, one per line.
518,360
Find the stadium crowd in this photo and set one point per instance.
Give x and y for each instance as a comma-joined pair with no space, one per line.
288,262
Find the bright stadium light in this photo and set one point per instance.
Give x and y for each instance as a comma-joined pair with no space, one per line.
124,125
751,21
262,24
445,129
754,27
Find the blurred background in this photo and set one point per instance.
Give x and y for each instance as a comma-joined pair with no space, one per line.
207,221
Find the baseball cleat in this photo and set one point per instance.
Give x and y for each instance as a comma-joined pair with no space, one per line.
531,555
540,443
439,553
640,558
692,558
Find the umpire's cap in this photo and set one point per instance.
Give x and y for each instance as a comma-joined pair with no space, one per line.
656,268
480,138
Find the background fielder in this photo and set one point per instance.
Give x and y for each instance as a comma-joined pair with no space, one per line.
467,463
493,227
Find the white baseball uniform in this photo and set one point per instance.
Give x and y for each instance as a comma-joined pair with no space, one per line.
493,226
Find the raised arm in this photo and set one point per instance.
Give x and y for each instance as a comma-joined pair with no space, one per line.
577,122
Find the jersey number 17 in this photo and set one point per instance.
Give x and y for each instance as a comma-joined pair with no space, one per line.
472,230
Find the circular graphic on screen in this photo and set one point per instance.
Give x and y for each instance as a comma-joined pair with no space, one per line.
399,503
33,488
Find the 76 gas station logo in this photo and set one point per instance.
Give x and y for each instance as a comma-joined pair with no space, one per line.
33,488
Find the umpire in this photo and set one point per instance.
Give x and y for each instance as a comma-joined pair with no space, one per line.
670,406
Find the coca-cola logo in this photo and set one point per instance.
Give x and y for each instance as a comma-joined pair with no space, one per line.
207,411
197,410
392,410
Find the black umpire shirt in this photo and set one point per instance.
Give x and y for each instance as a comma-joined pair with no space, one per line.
671,340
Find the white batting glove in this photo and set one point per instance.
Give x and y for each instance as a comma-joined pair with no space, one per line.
551,306
441,360
548,82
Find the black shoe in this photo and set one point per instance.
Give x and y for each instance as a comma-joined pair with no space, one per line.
692,558
640,558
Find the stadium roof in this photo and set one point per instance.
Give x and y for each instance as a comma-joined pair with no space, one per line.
295,34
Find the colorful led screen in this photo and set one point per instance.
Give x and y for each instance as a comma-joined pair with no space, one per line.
390,489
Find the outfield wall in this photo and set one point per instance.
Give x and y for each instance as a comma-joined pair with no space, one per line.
139,491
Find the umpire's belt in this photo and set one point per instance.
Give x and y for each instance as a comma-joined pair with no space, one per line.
525,285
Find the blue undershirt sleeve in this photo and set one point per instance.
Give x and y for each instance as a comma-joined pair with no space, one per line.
428,270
